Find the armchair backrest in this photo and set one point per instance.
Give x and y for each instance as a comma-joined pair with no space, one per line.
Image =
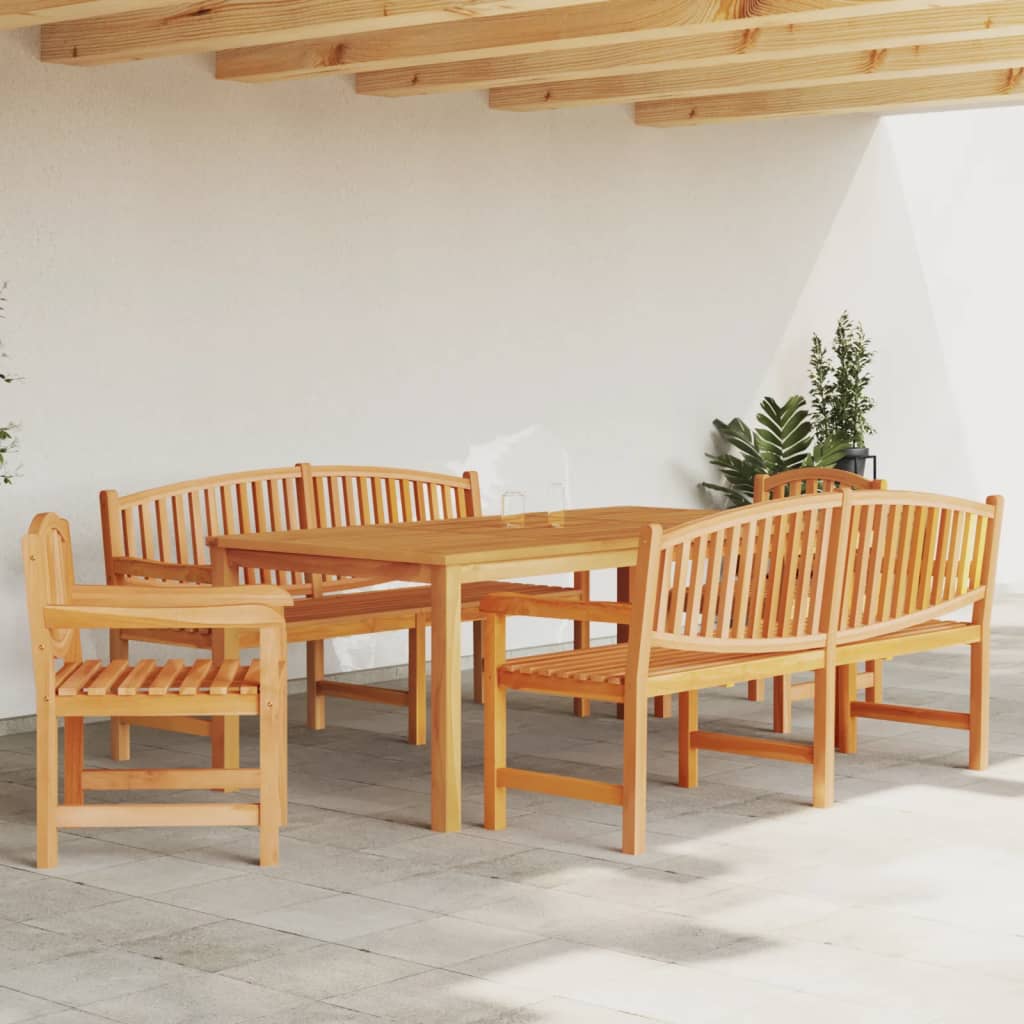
810,480
914,557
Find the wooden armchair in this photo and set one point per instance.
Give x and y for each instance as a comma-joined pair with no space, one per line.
715,603
68,687
793,483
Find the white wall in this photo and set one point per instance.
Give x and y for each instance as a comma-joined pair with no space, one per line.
206,276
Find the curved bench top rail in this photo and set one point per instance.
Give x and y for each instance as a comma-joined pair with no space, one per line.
913,557
810,480
754,578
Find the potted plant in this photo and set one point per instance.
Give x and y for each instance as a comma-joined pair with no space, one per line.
8,432
840,403
782,440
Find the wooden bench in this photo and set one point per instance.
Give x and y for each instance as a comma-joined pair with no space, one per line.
158,537
812,583
792,483
70,688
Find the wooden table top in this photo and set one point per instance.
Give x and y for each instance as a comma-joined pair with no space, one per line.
478,540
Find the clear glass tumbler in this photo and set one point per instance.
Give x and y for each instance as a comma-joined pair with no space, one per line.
513,508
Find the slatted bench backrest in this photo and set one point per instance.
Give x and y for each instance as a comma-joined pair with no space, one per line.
159,535
810,480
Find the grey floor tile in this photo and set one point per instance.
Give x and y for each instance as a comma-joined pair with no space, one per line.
122,921
17,1006
445,891
154,875
85,978
338,918
437,997
325,970
221,945
251,893
207,999
443,941
31,895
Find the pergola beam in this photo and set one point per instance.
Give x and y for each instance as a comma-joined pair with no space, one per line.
28,13
720,26
838,69
709,50
206,26
977,88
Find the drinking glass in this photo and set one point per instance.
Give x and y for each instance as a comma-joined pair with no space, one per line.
556,504
513,508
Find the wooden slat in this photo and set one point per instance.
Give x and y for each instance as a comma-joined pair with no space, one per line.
619,36
172,723
917,716
232,23
156,815
373,694
938,92
775,750
561,785
857,66
114,779
26,13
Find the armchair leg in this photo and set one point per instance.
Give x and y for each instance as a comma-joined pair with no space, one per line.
979,716
418,682
74,760
755,689
316,702
634,776
495,726
783,704
120,731
478,662
687,751
46,786
224,742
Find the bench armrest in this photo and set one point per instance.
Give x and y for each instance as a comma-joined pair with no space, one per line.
569,608
169,608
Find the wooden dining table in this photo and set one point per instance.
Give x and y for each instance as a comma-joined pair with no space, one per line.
444,555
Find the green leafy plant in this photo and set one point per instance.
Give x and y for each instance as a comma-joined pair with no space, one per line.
9,431
782,440
840,403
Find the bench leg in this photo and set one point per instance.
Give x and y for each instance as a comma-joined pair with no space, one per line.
581,638
495,726
418,682
824,737
273,755
979,716
316,702
782,720
687,751
846,723
46,786
478,662
755,689
120,732
874,691
224,742
74,760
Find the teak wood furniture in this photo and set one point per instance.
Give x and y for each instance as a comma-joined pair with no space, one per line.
794,482
59,609
812,583
159,536
448,555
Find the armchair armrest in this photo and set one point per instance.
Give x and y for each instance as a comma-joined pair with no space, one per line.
557,608
169,608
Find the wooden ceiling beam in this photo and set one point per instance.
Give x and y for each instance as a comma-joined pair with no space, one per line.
209,25
708,50
28,13
537,35
978,88
801,72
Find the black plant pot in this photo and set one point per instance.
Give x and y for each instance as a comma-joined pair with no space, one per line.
854,460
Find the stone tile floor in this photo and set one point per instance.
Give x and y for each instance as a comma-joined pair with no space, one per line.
903,903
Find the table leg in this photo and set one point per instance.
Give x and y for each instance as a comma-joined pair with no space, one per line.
224,729
622,581
446,700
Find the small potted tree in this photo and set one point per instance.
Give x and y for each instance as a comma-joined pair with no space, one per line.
840,403
8,431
